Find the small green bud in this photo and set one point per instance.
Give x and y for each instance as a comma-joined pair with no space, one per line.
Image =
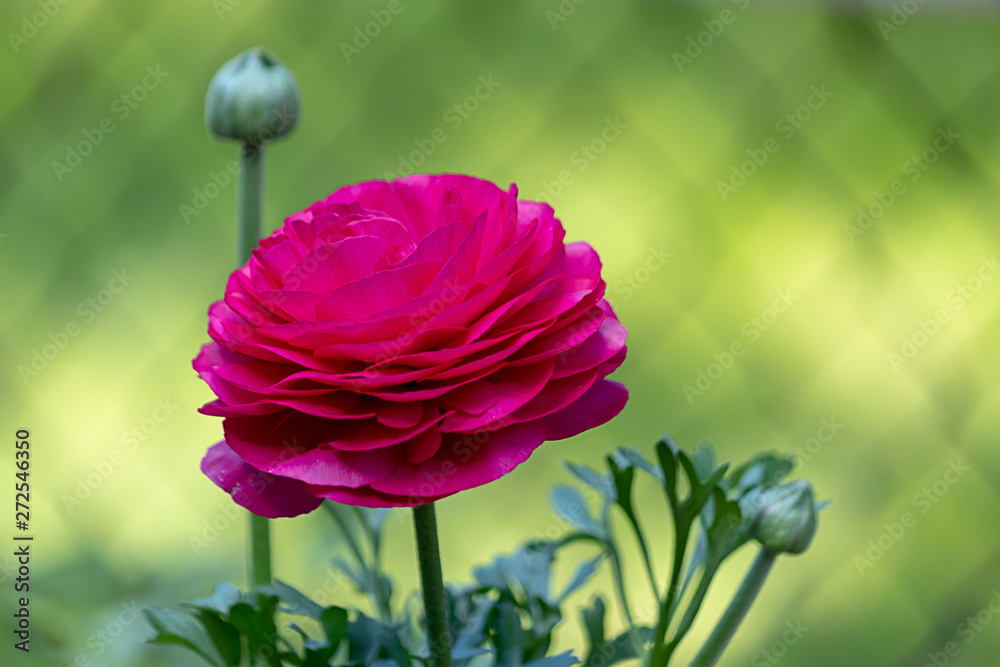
786,517
253,97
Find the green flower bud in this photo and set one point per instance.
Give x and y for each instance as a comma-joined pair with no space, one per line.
786,517
253,98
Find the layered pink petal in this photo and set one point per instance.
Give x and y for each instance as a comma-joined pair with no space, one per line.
262,493
398,342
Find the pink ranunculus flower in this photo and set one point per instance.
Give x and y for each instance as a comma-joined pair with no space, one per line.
401,341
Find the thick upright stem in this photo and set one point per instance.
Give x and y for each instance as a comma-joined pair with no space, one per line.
733,616
251,193
435,595
248,229
260,551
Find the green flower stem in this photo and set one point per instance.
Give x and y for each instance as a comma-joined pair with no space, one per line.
260,551
248,213
435,598
623,596
733,616
641,538
694,606
661,652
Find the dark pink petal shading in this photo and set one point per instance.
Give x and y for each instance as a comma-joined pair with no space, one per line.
598,405
262,493
465,462
398,342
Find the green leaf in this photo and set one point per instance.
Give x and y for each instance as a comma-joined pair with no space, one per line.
702,491
593,622
465,654
716,544
334,622
317,654
570,538
364,637
295,601
178,627
622,479
257,625
572,507
527,569
618,650
697,559
704,460
538,636
694,479
474,632
225,637
724,529
627,455
223,596
562,660
584,572
765,469
666,452
593,479
360,582
509,635
368,639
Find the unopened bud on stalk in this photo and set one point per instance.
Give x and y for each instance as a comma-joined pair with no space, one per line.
252,98
786,519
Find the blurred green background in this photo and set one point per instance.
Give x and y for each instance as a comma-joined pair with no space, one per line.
626,116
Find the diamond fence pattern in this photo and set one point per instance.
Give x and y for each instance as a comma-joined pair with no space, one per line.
763,149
